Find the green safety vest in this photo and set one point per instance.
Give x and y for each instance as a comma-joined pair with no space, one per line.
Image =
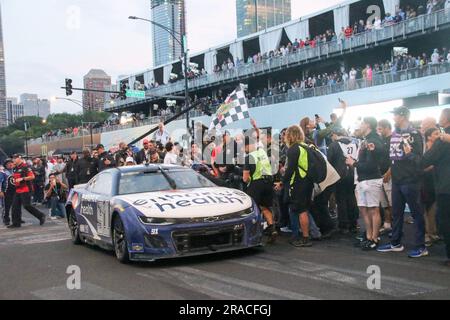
263,166
302,165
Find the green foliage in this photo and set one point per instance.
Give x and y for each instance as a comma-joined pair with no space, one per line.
12,138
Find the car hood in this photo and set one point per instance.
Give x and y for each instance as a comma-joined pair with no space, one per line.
192,203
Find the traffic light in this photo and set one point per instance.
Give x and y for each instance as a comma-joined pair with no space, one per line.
69,87
123,91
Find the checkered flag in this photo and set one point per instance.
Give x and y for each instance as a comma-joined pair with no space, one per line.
235,108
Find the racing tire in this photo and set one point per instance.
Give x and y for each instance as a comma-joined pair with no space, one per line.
120,241
74,228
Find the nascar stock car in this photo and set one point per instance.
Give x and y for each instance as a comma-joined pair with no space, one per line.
151,212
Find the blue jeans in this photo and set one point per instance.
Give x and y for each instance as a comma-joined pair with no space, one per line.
403,194
295,225
57,208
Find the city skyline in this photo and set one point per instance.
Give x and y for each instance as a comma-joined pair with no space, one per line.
67,46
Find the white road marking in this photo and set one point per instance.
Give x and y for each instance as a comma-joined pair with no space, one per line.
392,286
219,286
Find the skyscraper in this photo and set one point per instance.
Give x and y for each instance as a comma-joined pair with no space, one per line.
14,110
33,106
172,15
257,15
98,80
3,113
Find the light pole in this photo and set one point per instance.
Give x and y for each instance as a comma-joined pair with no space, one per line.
26,138
183,44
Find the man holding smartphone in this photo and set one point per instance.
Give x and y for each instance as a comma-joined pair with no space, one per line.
55,192
406,185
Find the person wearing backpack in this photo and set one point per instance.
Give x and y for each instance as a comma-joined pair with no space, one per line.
338,151
300,187
369,189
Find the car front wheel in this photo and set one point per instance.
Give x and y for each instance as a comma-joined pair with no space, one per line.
74,228
120,241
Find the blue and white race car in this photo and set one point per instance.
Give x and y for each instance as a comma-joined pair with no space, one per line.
151,212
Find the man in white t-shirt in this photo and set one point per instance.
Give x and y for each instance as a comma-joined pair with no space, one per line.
161,135
171,155
435,57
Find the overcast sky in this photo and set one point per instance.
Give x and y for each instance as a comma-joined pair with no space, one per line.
45,42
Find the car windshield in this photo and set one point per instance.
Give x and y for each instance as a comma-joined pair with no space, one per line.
142,182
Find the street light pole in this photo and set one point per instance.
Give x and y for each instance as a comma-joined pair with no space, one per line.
26,139
185,50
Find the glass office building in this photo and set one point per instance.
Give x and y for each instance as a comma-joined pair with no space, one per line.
171,14
257,15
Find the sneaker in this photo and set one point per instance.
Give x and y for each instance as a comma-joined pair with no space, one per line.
301,243
13,226
285,230
391,248
369,246
42,220
361,237
6,222
328,234
418,253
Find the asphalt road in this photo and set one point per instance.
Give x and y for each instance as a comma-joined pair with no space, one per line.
34,261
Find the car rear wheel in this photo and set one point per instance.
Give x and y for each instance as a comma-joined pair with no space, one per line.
74,228
120,241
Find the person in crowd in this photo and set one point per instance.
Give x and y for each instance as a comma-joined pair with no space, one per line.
369,188
161,135
299,187
105,159
438,157
406,185
122,154
87,168
143,156
60,168
257,174
23,178
428,193
8,191
73,169
56,194
338,151
172,154
129,162
39,181
385,131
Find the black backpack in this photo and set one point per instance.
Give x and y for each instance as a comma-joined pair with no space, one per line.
317,165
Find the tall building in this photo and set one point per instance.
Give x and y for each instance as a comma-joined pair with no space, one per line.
3,113
257,15
96,79
33,106
172,15
14,110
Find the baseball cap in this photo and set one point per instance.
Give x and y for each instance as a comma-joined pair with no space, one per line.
129,159
15,156
99,146
7,161
339,131
146,141
402,111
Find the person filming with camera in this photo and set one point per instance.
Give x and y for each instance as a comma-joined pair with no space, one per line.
56,194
